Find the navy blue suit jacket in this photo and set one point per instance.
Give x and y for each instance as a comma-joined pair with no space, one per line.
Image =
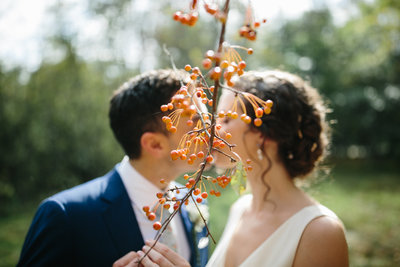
92,224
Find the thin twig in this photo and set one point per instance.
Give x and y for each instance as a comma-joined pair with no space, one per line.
204,220
223,153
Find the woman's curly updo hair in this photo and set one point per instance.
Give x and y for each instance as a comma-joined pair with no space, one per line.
296,122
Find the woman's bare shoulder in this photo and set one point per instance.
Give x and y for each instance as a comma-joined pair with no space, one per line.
323,243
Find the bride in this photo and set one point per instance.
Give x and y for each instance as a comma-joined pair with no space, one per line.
277,224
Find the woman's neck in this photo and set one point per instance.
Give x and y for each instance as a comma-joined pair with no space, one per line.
276,189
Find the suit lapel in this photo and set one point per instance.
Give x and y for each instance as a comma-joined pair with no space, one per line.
119,216
189,234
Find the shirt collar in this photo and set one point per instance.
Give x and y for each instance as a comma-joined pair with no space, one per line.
140,190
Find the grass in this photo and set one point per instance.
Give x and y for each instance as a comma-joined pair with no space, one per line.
364,195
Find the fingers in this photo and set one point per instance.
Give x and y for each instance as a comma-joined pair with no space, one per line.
125,260
157,257
168,254
146,261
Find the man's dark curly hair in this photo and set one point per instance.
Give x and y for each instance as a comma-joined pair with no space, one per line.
135,107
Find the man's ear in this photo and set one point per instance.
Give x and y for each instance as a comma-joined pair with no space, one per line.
154,144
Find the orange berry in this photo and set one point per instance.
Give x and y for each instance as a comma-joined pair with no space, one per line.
212,192
200,154
228,135
248,161
189,123
188,67
164,108
196,191
157,226
199,200
242,65
193,76
186,176
146,209
151,216
166,119
167,206
267,110
162,200
210,102
215,73
162,181
256,24
259,112
247,120
170,106
209,158
193,17
230,83
159,195
250,51
177,15
188,185
204,195
207,63
234,115
176,206
183,157
243,117
210,54
192,181
269,103
211,8
257,122
249,168
221,114
173,129
174,154
224,64
217,193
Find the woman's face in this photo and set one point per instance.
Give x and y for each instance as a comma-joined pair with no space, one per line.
243,138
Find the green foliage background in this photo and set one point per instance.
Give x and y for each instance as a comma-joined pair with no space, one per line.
54,129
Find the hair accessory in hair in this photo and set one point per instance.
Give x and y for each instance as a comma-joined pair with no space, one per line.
300,134
314,146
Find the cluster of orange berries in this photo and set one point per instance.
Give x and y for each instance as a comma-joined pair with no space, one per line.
162,203
189,19
249,32
260,108
192,16
181,101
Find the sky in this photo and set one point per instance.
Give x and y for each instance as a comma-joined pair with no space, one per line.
24,25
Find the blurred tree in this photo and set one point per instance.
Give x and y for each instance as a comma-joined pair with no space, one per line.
356,66
56,131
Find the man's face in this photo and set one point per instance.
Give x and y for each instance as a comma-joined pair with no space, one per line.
179,139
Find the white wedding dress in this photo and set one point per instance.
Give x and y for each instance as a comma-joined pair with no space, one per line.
279,249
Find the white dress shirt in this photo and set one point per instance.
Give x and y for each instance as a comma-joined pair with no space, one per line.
143,193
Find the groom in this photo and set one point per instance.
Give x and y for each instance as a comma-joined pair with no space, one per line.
98,222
